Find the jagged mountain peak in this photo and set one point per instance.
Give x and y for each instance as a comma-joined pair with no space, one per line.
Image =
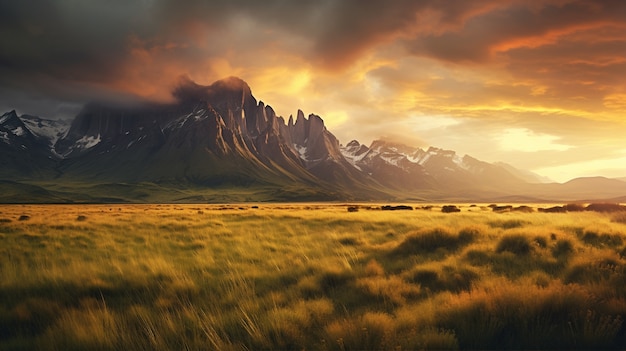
383,144
9,113
24,153
31,127
7,116
218,134
353,142
209,130
11,127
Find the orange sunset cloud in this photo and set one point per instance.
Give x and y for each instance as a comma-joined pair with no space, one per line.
538,84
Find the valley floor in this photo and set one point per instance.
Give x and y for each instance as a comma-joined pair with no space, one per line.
309,277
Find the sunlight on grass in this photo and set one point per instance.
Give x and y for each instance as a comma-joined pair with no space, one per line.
308,276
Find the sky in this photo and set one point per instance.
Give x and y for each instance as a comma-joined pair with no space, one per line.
539,84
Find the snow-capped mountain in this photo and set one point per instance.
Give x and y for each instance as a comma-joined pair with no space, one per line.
215,135
219,137
49,130
405,167
36,134
24,153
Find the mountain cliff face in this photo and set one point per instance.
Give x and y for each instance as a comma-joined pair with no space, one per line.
220,136
215,135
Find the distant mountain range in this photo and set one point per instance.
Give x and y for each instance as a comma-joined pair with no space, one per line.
219,144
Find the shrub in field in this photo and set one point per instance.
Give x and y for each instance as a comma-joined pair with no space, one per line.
524,208
554,209
517,244
605,207
450,209
574,208
396,208
500,209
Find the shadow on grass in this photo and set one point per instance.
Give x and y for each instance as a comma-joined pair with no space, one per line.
431,241
29,311
530,317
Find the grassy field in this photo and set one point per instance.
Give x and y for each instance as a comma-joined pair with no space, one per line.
308,277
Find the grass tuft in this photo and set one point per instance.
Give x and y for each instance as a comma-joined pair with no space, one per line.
530,317
596,239
517,244
446,278
509,224
431,240
563,248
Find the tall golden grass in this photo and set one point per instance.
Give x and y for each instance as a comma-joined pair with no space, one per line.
308,277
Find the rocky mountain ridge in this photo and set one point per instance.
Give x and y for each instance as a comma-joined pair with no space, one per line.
220,137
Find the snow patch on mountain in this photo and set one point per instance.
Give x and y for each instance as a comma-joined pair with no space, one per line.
196,115
458,160
19,131
391,158
354,153
46,129
302,151
87,142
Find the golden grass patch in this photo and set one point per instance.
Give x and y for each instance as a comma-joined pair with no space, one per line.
308,276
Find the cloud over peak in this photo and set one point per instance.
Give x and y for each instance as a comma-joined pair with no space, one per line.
490,64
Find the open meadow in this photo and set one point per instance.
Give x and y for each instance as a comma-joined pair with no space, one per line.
309,277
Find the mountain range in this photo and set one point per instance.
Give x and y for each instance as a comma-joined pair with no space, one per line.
217,143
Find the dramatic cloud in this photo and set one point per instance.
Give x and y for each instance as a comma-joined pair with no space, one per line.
536,83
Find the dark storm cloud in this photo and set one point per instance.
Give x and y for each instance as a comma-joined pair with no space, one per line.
72,50
89,41
66,39
57,53
351,27
77,50
518,23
